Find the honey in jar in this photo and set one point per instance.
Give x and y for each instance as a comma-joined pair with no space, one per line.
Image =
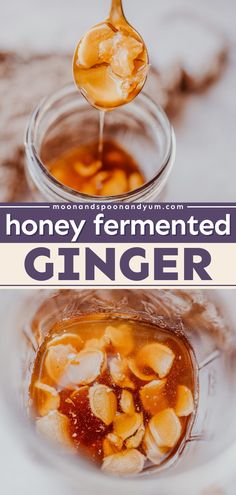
88,169
120,392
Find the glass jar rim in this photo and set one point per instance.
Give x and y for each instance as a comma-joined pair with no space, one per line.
72,195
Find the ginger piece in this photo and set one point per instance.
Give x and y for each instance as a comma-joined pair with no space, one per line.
112,444
87,170
120,373
85,367
121,338
126,425
129,461
103,403
154,453
153,396
138,373
67,339
185,403
165,428
134,441
156,356
127,402
88,50
55,426
49,399
57,359
120,51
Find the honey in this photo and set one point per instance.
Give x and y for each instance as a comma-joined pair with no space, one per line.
120,392
94,171
110,67
111,61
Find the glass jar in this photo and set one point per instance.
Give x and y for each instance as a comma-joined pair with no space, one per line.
66,120
209,454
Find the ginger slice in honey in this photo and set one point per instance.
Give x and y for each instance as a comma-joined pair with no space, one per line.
127,402
116,184
134,441
121,338
100,88
153,396
85,367
154,453
87,170
135,181
88,51
165,428
138,373
120,51
48,398
156,356
184,404
67,339
129,461
126,425
57,359
55,426
99,344
120,373
108,448
112,444
103,403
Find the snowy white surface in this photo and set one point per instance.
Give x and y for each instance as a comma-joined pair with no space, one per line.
205,168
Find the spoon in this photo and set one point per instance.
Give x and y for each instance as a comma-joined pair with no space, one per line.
110,63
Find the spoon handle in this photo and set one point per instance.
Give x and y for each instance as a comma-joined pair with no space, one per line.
116,12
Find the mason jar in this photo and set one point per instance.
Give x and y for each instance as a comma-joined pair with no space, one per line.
65,120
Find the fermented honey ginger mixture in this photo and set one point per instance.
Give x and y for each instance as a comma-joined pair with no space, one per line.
121,393
81,169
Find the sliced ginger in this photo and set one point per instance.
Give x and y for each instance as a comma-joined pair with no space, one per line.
184,404
154,453
134,441
109,64
55,426
89,47
126,425
85,367
156,356
121,338
112,444
67,339
48,398
127,402
120,373
165,428
129,461
138,373
153,396
57,359
103,403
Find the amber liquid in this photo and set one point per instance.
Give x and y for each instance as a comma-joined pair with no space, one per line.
88,432
102,168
